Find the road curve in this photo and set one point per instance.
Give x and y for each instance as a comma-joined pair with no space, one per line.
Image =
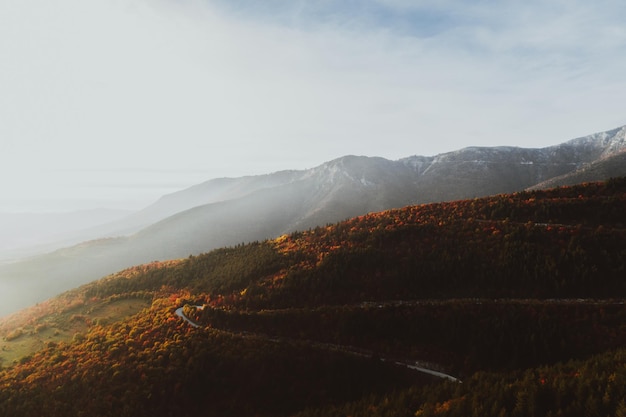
181,314
347,349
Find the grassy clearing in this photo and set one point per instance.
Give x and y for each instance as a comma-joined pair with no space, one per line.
17,342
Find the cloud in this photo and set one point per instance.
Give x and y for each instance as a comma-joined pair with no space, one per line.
243,87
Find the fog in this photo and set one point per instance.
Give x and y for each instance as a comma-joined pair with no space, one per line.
101,89
106,105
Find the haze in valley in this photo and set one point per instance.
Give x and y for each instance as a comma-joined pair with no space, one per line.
108,106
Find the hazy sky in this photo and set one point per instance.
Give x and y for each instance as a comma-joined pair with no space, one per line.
116,102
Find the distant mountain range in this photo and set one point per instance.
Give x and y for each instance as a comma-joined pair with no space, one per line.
229,211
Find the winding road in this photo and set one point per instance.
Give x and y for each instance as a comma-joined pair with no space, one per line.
409,364
181,314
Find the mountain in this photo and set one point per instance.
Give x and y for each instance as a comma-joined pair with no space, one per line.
213,191
479,171
611,166
226,212
504,305
608,159
29,234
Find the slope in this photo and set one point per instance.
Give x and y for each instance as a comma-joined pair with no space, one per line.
513,284
230,211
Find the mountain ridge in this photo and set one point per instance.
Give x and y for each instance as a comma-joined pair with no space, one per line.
228,211
520,296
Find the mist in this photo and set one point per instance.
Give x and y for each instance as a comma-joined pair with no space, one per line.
232,89
109,106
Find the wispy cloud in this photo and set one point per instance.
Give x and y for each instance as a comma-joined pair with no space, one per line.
241,86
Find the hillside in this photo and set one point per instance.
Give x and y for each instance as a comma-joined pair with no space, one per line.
229,211
520,296
610,166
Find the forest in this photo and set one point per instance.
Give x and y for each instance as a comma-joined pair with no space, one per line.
520,297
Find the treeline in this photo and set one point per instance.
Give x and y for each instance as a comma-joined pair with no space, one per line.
462,258
491,247
220,271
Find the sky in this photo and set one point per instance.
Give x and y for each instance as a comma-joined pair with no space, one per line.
113,103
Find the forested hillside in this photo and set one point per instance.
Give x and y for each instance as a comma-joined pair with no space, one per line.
519,296
228,211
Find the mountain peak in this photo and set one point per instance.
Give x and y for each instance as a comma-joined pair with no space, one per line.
602,144
229,211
